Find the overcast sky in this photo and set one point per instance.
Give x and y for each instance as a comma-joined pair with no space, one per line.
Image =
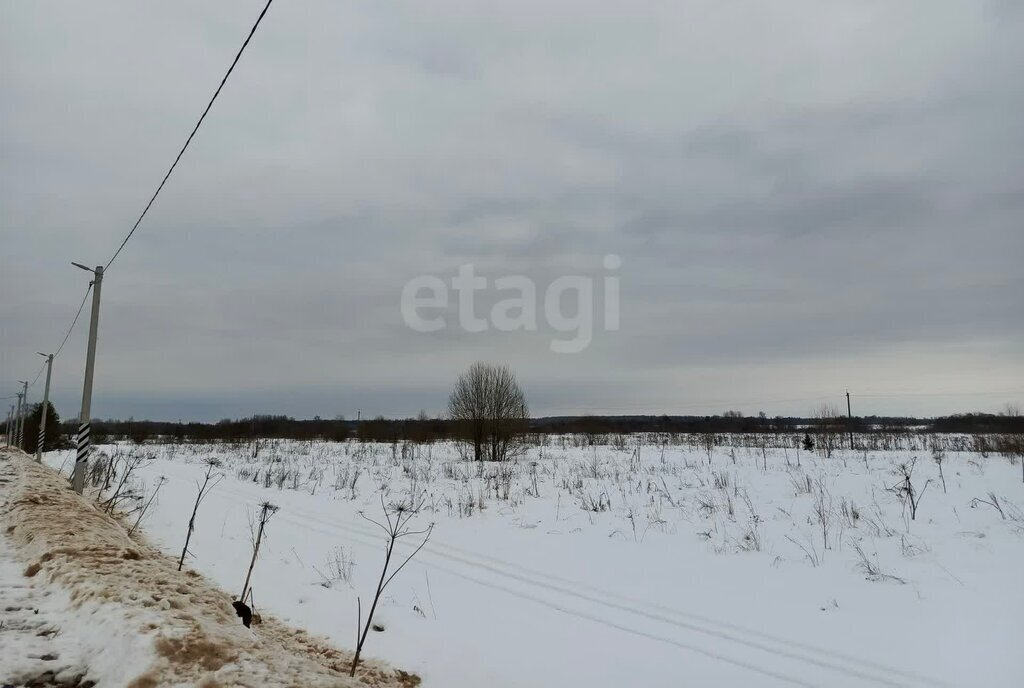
806,196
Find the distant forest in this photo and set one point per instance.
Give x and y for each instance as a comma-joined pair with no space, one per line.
425,429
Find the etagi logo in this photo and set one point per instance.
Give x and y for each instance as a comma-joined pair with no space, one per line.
518,311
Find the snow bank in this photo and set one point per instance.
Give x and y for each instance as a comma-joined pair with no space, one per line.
143,622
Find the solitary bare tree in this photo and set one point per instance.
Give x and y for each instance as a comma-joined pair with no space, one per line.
829,423
491,411
467,405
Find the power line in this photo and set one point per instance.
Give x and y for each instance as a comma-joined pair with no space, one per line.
36,378
80,307
194,130
65,340
94,286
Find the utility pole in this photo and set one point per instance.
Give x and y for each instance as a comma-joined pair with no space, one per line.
45,407
17,420
10,419
22,412
849,418
82,456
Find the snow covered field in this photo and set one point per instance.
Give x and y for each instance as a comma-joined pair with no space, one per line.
611,566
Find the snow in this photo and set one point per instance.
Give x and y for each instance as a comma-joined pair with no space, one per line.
35,632
42,628
124,615
677,582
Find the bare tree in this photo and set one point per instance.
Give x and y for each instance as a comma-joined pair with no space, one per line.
266,511
830,427
491,411
467,405
397,517
508,415
204,489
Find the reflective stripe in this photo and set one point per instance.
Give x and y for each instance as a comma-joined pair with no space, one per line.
83,443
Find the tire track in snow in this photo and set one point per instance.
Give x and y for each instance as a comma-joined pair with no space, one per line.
847,665
328,529
659,613
369,538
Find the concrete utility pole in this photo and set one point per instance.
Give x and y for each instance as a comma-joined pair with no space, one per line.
849,418
45,407
10,420
24,412
17,417
82,457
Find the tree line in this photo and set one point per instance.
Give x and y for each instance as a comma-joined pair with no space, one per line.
489,415
425,429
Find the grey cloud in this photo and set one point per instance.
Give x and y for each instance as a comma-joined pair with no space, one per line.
841,195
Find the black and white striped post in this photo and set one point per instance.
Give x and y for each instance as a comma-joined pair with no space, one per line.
45,407
82,457
19,422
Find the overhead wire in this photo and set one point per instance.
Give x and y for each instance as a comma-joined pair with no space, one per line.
36,378
190,136
64,341
163,182
73,322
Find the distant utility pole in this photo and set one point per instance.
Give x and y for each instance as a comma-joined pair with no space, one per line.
849,418
10,419
22,410
45,407
82,457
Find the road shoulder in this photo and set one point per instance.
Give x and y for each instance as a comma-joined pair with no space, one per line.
132,617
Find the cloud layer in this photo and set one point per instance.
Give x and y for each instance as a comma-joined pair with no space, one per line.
806,196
